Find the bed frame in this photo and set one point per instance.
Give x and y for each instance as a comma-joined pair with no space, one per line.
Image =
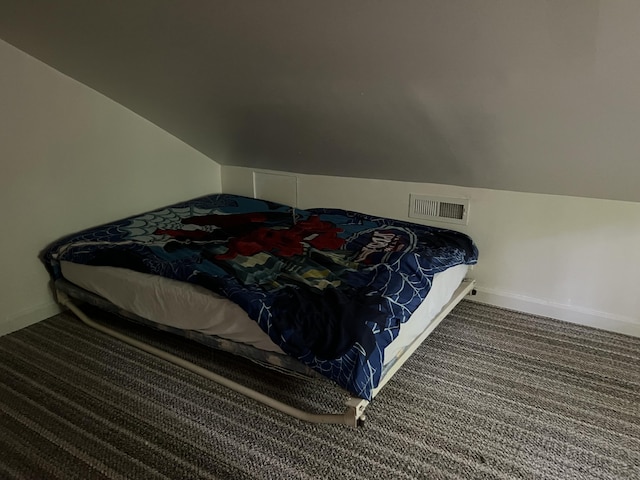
355,407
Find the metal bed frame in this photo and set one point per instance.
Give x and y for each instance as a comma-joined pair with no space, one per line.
354,414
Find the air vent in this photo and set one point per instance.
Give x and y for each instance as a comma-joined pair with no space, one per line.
441,209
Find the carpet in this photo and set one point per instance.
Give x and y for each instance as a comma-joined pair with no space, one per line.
491,394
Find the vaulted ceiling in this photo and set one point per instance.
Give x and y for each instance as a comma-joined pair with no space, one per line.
525,95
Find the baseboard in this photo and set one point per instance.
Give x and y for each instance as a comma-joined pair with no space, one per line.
568,313
29,317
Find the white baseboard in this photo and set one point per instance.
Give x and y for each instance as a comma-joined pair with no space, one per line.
29,317
568,313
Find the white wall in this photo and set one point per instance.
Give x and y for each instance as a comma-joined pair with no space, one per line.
570,258
71,158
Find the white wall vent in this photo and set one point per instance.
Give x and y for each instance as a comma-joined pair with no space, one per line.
276,188
441,209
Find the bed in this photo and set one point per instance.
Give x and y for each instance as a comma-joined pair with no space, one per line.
324,292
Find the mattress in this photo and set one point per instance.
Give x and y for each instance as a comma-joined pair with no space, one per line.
191,307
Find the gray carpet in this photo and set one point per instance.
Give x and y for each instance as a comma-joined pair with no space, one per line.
491,394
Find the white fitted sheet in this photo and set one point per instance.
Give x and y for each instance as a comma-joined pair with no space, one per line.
191,307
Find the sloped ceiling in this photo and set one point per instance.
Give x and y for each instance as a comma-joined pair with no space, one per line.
526,95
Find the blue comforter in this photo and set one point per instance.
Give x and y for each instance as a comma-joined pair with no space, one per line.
330,287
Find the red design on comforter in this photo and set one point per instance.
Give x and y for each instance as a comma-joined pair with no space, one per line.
286,242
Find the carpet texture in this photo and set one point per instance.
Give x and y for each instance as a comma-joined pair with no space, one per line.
491,394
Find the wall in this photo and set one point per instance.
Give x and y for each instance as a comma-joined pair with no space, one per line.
570,258
71,158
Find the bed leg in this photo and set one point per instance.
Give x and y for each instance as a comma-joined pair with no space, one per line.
62,298
355,409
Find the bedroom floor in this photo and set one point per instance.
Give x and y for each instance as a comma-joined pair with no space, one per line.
491,394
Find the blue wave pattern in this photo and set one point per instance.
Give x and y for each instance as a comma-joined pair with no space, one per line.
330,287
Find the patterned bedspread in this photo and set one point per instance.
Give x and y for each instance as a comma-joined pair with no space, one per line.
330,287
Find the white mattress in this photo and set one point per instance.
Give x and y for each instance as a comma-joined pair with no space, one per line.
190,307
